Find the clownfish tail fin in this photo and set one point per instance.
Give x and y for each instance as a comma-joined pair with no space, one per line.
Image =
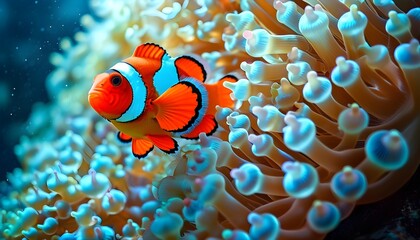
219,94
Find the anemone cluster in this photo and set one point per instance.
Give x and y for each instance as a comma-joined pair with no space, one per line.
327,116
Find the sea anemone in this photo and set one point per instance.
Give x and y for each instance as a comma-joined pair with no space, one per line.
326,117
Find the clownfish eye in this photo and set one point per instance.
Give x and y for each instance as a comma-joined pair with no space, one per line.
116,81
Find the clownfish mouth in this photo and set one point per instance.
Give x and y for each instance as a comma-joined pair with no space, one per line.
101,105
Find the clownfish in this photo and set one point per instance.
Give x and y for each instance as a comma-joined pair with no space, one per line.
151,98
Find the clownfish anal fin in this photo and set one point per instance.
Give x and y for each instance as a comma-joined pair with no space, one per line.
178,107
208,126
165,143
141,147
123,137
150,51
190,67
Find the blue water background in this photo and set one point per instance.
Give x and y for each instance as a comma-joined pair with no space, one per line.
29,32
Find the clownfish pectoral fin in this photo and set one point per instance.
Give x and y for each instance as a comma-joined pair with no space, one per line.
164,143
178,107
208,126
149,50
190,67
219,94
123,137
141,147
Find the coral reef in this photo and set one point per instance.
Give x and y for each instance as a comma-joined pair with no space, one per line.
326,118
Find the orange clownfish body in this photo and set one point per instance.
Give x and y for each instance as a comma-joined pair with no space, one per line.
151,98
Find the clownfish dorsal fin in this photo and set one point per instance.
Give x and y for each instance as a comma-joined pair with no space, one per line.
150,51
178,107
141,147
165,143
208,126
189,67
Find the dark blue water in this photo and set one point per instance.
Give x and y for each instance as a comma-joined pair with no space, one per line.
29,32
